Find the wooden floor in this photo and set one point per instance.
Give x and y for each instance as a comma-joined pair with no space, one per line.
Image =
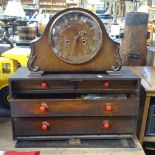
6,143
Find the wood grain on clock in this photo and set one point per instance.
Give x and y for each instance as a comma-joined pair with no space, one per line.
77,46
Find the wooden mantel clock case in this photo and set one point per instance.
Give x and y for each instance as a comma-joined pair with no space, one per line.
74,102
74,40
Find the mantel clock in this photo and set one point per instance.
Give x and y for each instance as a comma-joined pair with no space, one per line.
74,40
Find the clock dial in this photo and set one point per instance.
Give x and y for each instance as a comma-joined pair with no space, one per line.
76,36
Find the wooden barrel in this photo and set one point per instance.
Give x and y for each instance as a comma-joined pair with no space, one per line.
26,32
133,48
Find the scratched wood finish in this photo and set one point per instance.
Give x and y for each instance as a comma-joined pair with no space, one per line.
67,84
31,108
43,57
6,138
73,125
37,84
112,84
68,112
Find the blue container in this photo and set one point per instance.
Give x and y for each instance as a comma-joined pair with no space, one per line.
105,16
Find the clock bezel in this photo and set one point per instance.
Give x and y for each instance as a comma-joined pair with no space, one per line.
86,13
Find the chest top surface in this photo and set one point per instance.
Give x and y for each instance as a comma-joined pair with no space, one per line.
124,74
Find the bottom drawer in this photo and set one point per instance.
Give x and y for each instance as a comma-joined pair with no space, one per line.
73,126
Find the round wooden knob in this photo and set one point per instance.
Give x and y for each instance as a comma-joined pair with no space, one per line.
108,108
106,125
44,84
42,108
45,125
106,84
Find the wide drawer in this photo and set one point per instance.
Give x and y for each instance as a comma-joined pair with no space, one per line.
75,107
73,126
111,84
41,84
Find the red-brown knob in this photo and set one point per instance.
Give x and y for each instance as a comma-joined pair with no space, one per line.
42,108
108,108
44,126
44,84
106,125
106,84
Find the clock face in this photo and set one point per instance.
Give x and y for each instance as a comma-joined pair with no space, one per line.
76,36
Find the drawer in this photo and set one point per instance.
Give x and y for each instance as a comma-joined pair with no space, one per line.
75,107
73,126
112,84
41,85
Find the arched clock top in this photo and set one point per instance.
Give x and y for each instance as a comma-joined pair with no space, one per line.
74,40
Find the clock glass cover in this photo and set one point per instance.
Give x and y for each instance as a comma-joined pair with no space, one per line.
76,36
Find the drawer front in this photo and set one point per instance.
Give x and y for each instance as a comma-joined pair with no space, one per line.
112,84
41,85
44,108
73,126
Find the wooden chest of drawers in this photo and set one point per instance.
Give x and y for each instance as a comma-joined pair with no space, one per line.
82,105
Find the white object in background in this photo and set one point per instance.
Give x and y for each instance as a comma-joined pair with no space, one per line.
14,8
143,8
115,30
1,10
36,2
71,1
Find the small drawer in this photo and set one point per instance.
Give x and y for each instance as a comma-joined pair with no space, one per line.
41,85
73,107
73,126
111,84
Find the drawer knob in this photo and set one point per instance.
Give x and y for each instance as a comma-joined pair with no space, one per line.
44,84
106,84
108,108
106,125
45,125
43,107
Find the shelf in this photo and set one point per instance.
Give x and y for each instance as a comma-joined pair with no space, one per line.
149,139
45,4
71,3
30,9
55,5
59,6
26,2
46,9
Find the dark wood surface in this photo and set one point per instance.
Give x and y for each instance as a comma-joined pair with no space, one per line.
68,110
31,108
55,147
73,125
37,85
123,74
86,84
43,58
119,84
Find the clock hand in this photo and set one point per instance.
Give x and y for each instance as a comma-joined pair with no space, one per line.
74,43
80,34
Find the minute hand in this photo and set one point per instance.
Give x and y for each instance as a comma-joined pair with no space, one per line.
74,43
80,34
